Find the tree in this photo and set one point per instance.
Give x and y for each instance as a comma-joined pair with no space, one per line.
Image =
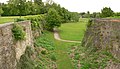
39,6
75,16
1,11
107,12
82,14
6,8
53,19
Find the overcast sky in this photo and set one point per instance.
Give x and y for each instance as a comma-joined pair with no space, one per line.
87,5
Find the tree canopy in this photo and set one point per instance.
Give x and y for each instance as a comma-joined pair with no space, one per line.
53,19
107,12
1,11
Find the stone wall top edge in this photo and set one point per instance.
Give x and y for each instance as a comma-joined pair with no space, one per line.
107,19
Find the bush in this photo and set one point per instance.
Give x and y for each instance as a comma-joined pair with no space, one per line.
44,52
53,57
18,32
90,22
19,19
53,19
37,22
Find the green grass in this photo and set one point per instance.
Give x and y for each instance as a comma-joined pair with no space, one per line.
7,19
4,20
70,31
73,31
64,61
61,49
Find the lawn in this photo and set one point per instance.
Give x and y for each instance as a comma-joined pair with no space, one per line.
4,20
64,61
7,19
73,31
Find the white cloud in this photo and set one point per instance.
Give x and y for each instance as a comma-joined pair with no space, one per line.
87,5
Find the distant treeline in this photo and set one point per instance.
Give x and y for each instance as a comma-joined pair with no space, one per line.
23,8
105,12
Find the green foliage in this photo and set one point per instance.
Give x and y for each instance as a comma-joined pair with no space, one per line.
95,15
18,32
1,11
91,58
25,61
53,57
75,17
45,43
37,22
19,19
47,55
23,7
43,52
90,22
36,59
107,12
53,19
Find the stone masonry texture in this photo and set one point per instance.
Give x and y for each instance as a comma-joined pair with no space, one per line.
104,34
11,50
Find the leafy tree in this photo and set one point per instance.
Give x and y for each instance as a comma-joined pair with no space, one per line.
75,16
5,8
65,14
12,7
82,14
88,14
107,12
39,6
22,7
1,11
117,14
53,19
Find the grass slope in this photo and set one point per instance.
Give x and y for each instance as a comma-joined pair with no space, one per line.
61,49
70,31
73,31
64,61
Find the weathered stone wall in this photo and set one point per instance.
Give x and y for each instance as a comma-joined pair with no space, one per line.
104,34
10,50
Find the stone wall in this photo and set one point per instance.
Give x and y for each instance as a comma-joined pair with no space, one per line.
10,50
104,34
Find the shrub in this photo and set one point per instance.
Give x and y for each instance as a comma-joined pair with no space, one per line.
53,19
18,32
53,57
44,52
35,22
90,22
25,61
19,19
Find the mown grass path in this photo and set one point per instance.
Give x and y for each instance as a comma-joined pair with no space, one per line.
57,37
63,59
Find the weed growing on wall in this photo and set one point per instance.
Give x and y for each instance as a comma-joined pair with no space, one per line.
37,22
18,32
90,22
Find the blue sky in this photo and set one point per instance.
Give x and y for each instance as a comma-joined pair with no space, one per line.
87,5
